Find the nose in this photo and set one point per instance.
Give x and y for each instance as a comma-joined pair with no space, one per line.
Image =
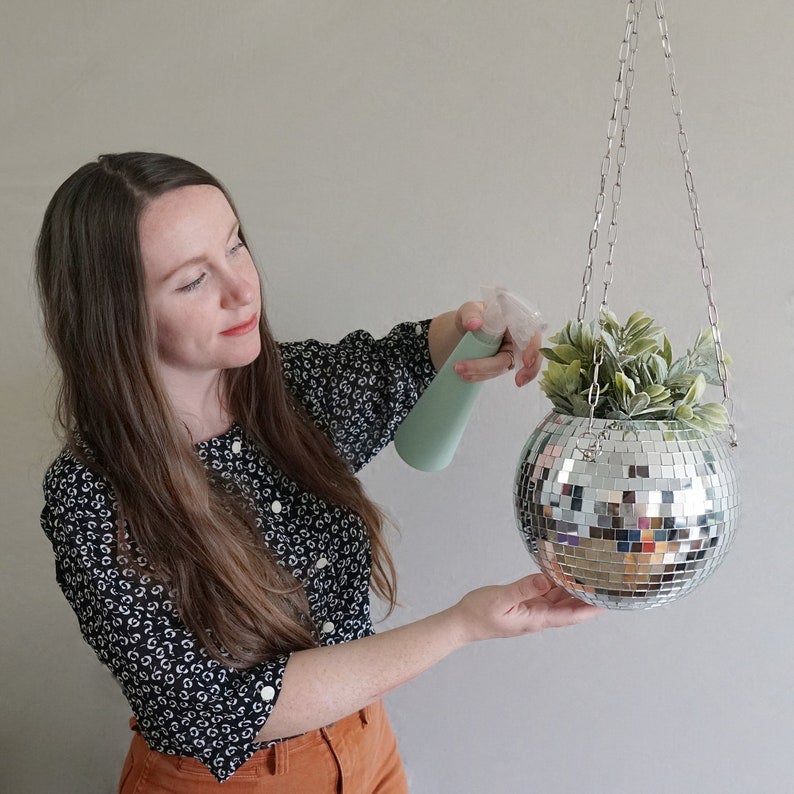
239,290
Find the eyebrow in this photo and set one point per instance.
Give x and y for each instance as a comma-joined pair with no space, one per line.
197,260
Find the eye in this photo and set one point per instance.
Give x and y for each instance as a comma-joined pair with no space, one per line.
237,248
193,284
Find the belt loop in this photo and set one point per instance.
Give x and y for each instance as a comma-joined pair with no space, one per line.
366,714
282,758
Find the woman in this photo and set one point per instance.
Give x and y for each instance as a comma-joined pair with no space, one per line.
208,528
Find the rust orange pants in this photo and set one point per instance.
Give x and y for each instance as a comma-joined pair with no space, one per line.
356,755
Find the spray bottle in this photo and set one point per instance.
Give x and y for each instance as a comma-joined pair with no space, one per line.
430,434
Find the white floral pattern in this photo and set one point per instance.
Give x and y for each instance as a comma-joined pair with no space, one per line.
357,391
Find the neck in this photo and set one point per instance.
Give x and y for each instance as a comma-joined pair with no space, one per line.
199,403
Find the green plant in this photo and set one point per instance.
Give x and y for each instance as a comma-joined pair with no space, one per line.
638,377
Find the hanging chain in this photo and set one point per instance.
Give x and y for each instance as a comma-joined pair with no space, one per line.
705,271
618,122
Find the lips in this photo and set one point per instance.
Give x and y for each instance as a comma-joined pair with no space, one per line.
243,328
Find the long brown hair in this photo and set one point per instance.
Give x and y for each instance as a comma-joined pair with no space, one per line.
193,534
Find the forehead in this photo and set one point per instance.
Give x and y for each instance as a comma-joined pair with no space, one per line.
182,223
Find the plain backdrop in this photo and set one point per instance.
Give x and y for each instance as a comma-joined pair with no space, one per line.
388,158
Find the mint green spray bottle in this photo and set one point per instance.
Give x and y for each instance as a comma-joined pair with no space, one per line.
430,434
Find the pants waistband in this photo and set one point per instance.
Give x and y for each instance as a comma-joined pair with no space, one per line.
276,757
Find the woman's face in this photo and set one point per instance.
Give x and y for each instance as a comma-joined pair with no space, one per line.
201,285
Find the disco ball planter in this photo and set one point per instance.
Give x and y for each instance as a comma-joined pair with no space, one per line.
642,524
627,495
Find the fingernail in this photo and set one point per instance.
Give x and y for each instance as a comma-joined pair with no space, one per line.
540,582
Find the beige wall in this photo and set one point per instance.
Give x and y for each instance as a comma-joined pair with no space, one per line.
388,157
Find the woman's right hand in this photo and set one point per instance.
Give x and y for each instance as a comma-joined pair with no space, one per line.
529,605
324,684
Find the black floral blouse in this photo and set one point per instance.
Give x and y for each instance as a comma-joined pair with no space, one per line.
357,392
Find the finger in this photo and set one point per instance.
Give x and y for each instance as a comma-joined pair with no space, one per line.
559,598
557,595
570,614
531,361
469,316
530,353
533,586
480,369
529,373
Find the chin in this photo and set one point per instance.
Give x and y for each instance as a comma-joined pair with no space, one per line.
242,358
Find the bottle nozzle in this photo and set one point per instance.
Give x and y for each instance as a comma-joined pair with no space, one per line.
505,309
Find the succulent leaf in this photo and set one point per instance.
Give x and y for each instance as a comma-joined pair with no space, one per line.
642,347
667,351
636,318
624,385
655,391
695,390
566,353
572,376
638,403
549,354
579,405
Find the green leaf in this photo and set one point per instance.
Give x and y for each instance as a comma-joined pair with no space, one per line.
587,338
625,386
700,425
549,354
713,413
677,370
667,351
579,405
564,336
639,402
573,377
608,343
567,353
662,411
553,374
610,322
638,328
704,341
656,390
635,318
642,347
683,412
695,390
658,367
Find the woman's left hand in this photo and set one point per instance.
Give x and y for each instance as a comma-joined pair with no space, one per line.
469,318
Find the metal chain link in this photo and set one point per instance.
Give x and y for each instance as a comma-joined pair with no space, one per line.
619,121
705,271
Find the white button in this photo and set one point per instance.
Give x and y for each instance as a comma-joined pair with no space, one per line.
237,446
322,562
276,506
418,329
327,628
267,693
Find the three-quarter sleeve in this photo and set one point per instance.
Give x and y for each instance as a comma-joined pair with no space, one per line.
359,390
185,702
